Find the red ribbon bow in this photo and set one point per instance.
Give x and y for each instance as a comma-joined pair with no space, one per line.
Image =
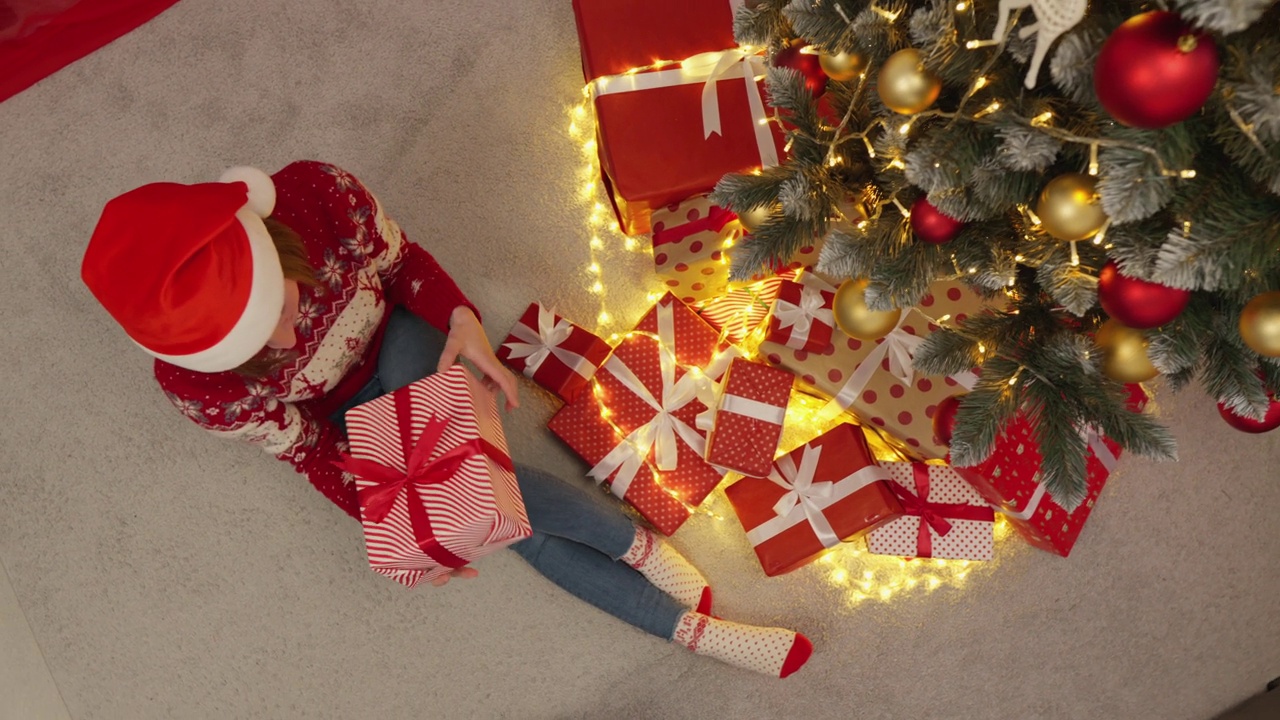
934,515
420,470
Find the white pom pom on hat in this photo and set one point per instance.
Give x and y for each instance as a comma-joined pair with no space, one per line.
190,271
262,191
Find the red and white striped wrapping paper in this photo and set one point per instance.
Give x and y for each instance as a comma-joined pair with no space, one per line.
802,314
437,488
944,517
553,352
739,312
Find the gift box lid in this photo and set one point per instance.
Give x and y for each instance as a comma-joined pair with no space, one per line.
618,35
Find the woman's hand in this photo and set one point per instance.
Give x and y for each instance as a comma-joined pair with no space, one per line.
467,339
462,572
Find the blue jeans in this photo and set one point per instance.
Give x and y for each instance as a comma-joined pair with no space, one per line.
578,535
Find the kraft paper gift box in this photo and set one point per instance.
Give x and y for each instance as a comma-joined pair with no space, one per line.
436,485
944,517
639,427
825,491
553,352
876,380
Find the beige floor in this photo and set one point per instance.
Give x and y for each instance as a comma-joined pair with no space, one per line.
165,574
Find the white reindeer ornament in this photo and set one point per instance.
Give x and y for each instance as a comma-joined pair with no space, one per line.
1053,18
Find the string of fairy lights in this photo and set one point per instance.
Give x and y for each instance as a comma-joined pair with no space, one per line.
856,574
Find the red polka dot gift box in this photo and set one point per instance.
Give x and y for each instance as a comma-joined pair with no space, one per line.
944,518
436,485
689,243
639,426
876,380
750,410
824,492
803,317
553,352
1010,480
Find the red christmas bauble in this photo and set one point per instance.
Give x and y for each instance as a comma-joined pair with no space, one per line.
930,225
944,418
1137,303
808,64
1155,70
1270,421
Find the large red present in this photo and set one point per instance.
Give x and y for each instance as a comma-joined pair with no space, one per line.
803,316
618,35
944,516
553,352
1010,480
436,486
669,134
825,491
748,419
639,428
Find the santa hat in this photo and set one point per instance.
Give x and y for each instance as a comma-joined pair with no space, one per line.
190,271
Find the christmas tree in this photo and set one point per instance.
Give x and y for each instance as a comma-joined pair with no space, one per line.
1108,173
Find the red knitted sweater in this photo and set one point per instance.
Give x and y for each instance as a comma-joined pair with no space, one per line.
365,265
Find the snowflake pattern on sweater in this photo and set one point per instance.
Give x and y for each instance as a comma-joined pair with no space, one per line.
364,266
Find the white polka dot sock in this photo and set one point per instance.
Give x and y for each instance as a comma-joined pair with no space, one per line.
666,568
772,651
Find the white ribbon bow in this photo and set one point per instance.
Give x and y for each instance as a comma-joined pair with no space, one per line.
800,317
660,433
709,69
806,499
538,345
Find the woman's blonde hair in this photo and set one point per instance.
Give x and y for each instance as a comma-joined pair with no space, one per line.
296,267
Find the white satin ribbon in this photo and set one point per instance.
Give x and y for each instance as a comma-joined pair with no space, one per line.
739,405
706,68
544,342
660,433
801,316
806,499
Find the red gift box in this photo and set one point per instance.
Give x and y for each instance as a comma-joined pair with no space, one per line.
749,416
639,429
825,491
803,318
553,352
944,516
435,481
667,135
618,35
1010,480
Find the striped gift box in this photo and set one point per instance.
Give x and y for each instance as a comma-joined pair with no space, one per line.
436,484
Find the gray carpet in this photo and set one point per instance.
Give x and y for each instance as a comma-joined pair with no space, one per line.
167,574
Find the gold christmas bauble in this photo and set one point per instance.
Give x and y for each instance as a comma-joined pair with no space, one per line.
1260,324
905,85
856,319
842,66
1070,208
1124,353
752,219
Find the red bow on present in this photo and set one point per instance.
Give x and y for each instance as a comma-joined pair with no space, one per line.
933,516
420,470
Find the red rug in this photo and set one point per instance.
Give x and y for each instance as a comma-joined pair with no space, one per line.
40,37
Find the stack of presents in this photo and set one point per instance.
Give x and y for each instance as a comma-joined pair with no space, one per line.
696,394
